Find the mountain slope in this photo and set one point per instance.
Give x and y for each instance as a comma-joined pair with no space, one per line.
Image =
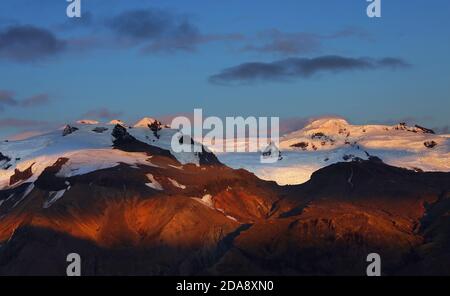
130,207
330,140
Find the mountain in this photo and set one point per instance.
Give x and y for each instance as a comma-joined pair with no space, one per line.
330,140
145,122
129,205
117,121
87,121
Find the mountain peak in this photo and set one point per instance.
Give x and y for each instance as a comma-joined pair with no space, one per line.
145,122
87,121
328,123
116,122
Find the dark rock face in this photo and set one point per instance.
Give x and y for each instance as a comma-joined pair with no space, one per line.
301,145
155,127
99,129
208,158
4,161
186,139
430,144
425,130
68,130
126,142
121,135
205,157
415,129
48,180
4,157
21,175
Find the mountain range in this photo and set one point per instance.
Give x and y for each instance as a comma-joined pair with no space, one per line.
122,199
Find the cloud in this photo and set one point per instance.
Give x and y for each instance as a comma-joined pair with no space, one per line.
7,99
287,69
36,100
142,24
275,41
102,113
288,43
161,31
26,43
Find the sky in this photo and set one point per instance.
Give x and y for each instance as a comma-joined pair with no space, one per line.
290,58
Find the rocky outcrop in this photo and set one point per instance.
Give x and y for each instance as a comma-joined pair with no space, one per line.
99,129
21,175
430,144
68,130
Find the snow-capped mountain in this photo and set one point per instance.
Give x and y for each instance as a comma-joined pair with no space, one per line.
145,122
87,121
319,144
330,140
87,144
116,121
128,204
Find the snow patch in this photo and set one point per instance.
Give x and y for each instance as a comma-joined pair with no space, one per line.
176,167
232,218
87,121
153,183
176,184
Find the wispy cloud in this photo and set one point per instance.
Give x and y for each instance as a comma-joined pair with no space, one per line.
20,123
26,43
25,135
289,43
8,99
36,100
290,68
102,113
161,31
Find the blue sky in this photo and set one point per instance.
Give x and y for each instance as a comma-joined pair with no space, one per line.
294,59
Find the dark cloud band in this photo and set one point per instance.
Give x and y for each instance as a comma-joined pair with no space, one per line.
288,69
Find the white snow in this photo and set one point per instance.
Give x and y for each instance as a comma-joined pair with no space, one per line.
116,121
87,152
87,121
153,183
89,160
206,200
176,167
231,218
144,122
333,138
176,184
54,196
